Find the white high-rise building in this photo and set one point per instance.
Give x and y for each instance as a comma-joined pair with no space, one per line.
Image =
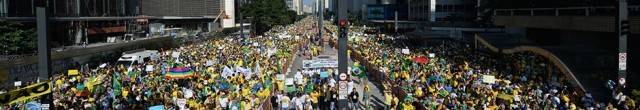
308,9
297,6
229,8
330,5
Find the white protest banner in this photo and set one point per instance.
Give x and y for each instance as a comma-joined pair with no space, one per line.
181,103
280,77
489,79
17,83
149,68
103,65
175,54
319,63
209,63
226,72
188,93
405,51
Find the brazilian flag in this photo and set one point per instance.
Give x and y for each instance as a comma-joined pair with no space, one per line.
405,64
384,56
117,87
393,76
310,87
357,70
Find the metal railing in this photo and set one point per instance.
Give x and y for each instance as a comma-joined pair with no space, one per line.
11,57
565,11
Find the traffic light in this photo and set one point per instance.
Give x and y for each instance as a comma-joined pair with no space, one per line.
343,29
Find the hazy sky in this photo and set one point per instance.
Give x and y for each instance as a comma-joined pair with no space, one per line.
308,2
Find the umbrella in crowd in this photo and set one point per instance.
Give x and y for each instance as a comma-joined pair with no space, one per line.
420,60
33,105
157,107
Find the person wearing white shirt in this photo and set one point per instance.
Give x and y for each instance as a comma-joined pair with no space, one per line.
332,82
299,103
453,95
293,103
284,102
621,100
350,86
299,78
556,101
223,101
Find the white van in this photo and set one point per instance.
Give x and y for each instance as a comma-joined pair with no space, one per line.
138,57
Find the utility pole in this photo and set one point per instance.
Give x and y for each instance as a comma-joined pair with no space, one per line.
239,5
320,20
342,54
395,24
622,25
44,51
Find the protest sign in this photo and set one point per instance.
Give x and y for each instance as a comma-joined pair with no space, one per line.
149,68
28,92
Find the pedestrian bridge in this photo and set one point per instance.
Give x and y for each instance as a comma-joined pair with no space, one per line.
597,19
584,66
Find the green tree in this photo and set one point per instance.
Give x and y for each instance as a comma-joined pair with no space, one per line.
14,40
453,17
327,14
268,13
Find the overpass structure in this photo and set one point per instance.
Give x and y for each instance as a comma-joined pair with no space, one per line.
596,19
582,42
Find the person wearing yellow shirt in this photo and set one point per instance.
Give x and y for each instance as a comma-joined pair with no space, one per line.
280,85
58,82
494,93
388,100
418,92
245,91
314,98
493,106
192,103
246,104
395,100
174,94
315,51
407,106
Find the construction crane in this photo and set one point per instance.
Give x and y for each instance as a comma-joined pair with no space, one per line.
219,15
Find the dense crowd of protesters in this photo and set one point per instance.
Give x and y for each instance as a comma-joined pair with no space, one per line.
228,73
452,77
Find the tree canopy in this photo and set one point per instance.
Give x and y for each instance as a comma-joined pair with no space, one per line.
268,13
14,40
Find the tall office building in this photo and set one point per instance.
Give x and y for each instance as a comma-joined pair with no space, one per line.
444,10
420,9
300,8
330,5
91,21
309,8
295,5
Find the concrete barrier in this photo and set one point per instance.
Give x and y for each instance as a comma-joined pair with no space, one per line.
266,103
373,72
553,58
26,68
